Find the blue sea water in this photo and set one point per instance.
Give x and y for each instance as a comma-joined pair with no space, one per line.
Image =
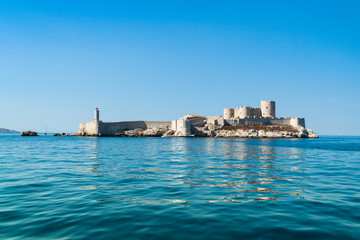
179,188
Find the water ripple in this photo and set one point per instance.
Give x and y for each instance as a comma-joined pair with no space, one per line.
96,188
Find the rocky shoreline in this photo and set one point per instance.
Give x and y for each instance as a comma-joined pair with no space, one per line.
209,130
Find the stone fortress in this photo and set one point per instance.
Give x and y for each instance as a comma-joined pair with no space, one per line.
265,115
207,126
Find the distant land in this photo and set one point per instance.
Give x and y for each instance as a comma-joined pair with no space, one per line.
4,130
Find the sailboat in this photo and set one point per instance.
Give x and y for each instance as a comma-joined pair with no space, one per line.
45,132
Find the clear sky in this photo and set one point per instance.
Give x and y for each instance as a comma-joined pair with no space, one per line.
160,60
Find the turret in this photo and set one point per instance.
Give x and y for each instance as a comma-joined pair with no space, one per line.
97,115
267,108
228,113
244,112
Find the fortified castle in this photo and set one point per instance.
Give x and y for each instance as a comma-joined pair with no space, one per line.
196,125
265,115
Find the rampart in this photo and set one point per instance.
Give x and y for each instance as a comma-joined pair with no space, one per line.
110,128
89,128
296,122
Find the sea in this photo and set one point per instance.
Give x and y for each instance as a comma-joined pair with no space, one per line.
179,188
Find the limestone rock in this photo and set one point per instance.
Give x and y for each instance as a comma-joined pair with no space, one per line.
168,133
72,134
299,132
134,133
157,132
29,133
311,134
181,134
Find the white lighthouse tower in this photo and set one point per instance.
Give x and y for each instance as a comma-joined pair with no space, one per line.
96,115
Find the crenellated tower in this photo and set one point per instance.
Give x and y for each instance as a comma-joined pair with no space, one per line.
267,108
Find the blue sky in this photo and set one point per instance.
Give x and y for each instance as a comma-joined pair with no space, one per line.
160,60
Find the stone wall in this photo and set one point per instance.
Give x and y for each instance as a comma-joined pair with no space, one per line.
89,128
267,121
182,127
297,122
110,128
115,127
255,112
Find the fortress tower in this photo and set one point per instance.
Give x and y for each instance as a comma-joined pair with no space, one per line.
243,112
97,115
228,113
267,108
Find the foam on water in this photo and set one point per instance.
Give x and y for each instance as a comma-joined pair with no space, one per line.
161,188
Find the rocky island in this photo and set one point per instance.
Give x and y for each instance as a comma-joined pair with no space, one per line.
241,122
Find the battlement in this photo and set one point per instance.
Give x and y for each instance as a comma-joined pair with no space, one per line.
266,110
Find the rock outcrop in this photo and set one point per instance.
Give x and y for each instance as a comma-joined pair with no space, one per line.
29,133
139,132
250,131
211,130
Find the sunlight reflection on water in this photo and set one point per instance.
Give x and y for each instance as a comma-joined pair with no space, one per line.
192,166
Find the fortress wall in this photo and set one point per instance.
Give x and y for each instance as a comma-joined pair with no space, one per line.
158,124
182,126
296,122
197,121
279,121
215,120
90,128
255,112
228,113
211,119
258,121
115,127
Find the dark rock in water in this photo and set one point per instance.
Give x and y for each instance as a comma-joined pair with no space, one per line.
29,133
72,134
62,134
